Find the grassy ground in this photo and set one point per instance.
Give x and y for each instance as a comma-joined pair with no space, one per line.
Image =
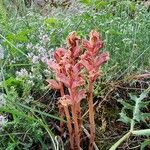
29,35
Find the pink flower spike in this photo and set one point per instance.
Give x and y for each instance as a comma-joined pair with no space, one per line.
95,40
73,40
86,64
93,75
86,44
53,84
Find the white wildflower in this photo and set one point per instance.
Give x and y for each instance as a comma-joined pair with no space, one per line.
22,73
30,83
29,45
3,121
35,59
1,52
2,100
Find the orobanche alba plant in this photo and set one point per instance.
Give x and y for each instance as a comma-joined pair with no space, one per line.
75,67
138,104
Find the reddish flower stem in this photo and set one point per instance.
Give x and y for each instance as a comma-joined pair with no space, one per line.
75,119
76,126
91,116
79,120
69,125
61,110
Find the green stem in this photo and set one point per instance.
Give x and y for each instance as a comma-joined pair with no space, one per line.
120,141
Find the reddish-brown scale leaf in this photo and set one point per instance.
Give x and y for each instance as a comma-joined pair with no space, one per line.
65,100
53,65
77,82
63,78
81,95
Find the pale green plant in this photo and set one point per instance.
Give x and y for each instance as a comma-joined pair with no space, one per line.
137,116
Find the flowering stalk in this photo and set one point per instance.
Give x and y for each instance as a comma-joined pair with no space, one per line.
91,115
67,66
92,60
64,102
61,110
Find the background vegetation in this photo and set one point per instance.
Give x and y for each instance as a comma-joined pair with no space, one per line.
30,32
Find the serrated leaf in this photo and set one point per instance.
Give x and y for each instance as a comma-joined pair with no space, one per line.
137,115
142,96
144,116
144,104
145,132
133,97
124,118
126,105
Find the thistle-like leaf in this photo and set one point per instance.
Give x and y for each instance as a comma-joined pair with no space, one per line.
145,132
144,116
126,105
124,118
133,97
145,144
142,96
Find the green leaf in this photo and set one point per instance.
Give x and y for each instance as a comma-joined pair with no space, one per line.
144,104
145,144
133,97
145,132
124,118
126,105
87,2
144,116
142,96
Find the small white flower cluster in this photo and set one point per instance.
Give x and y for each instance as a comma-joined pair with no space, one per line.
39,53
2,100
3,121
43,38
1,52
29,77
23,73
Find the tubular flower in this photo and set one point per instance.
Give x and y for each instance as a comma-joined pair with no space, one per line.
92,59
94,43
73,43
72,77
